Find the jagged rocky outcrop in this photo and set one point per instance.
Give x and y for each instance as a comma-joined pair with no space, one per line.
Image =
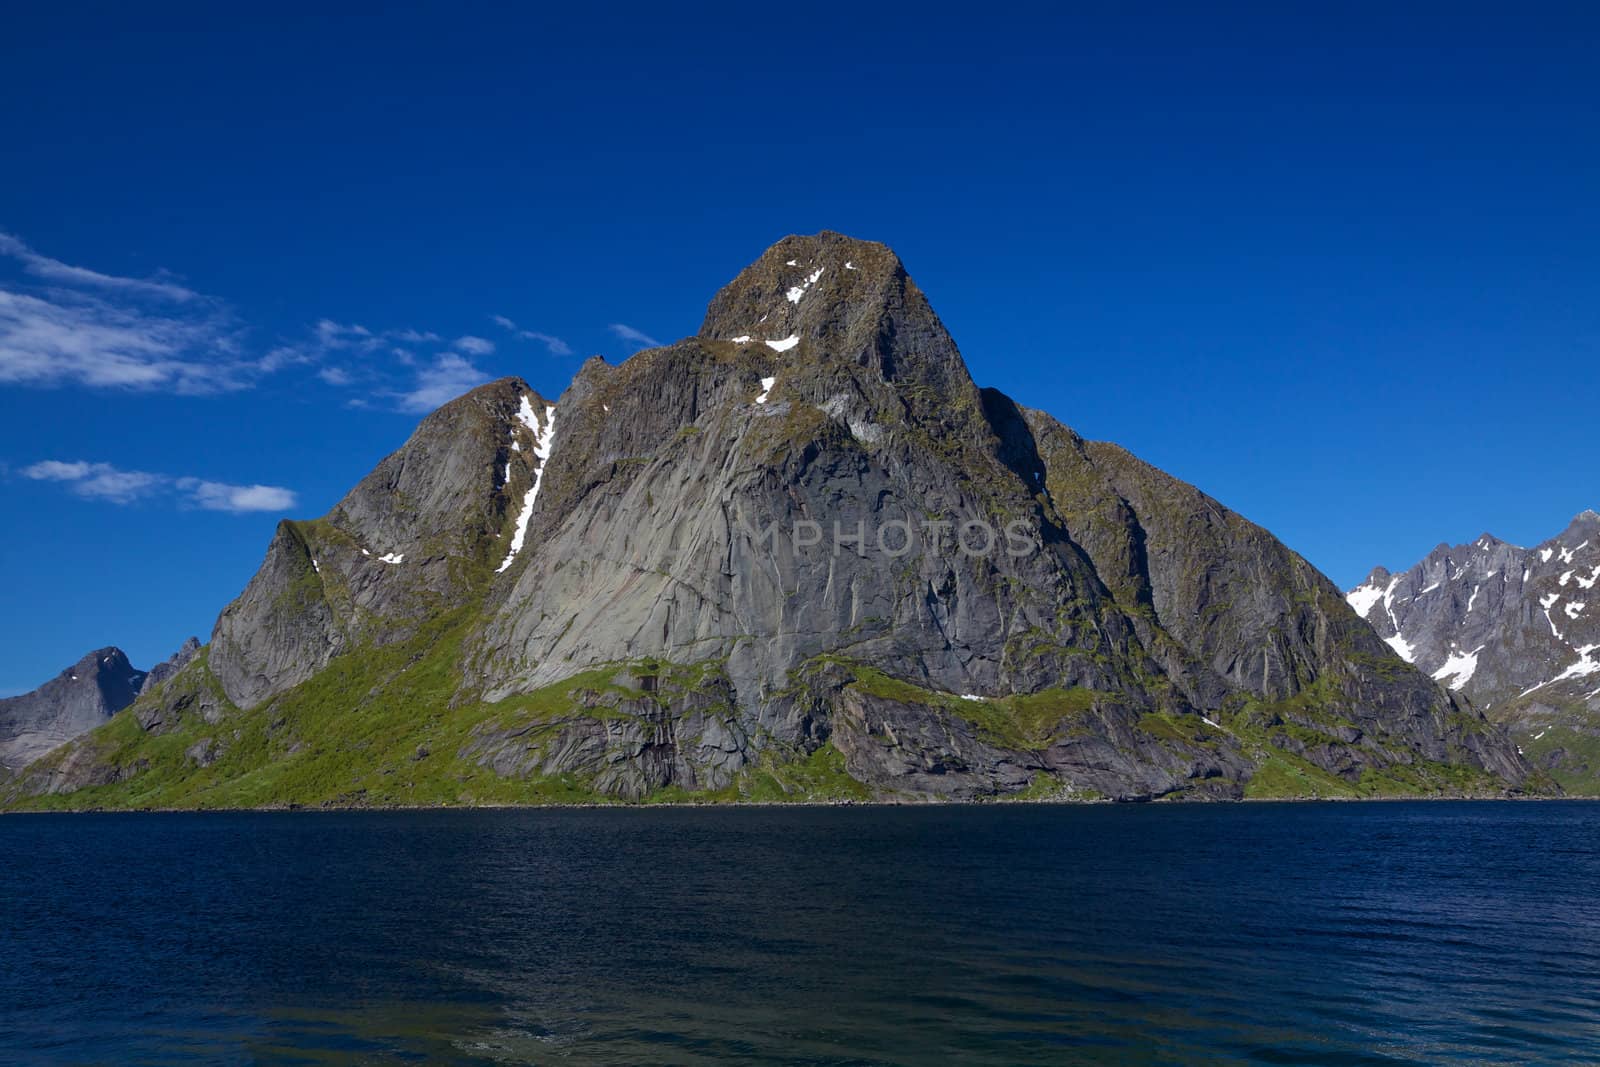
170,666
413,539
800,552
74,702
1515,629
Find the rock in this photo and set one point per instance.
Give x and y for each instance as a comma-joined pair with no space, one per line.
1515,630
400,547
169,667
74,702
204,753
807,529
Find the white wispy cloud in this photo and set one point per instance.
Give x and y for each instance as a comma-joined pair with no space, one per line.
77,326
96,481
64,325
554,345
348,353
41,266
476,346
66,338
281,357
335,335
633,336
84,327
443,380
220,496
107,482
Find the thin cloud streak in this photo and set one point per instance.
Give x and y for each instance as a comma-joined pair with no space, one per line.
42,266
101,331
633,336
474,346
445,379
109,483
73,339
238,499
554,345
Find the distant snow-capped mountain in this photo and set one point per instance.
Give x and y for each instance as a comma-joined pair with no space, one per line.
1515,629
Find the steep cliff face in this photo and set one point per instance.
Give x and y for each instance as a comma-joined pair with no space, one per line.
687,487
417,537
169,667
1514,629
800,554
74,702
1253,618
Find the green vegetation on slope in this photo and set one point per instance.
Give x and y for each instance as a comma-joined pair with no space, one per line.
1021,722
377,727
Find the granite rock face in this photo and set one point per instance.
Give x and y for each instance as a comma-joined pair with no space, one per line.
824,396
1249,615
413,539
680,510
804,548
74,702
169,667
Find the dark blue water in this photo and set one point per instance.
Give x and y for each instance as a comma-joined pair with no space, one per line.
1318,934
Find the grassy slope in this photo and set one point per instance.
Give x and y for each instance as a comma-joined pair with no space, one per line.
376,728
1565,743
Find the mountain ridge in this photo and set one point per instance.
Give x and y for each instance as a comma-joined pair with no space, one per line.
78,699
618,596
1515,629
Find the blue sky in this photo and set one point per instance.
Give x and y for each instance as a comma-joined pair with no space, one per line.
1338,268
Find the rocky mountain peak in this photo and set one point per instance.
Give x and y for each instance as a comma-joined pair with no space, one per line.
1586,524
800,539
171,666
78,699
832,296
448,489
1380,575
1513,628
415,537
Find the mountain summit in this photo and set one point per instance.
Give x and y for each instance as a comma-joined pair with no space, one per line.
78,699
799,555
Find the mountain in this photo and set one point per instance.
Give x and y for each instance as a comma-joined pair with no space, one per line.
171,665
1516,630
74,702
800,555
77,700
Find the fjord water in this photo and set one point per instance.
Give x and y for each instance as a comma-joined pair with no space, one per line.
1296,933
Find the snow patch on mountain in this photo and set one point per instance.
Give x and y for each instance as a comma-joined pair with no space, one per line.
1460,668
1523,614
1362,598
798,291
541,452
